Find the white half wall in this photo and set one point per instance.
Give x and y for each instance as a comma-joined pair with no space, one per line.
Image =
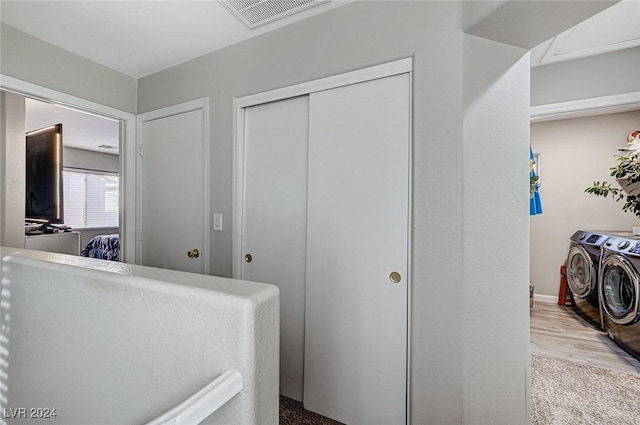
573,154
110,343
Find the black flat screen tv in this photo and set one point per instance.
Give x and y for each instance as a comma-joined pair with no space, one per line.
44,197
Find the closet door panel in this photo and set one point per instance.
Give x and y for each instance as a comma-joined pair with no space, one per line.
274,220
357,236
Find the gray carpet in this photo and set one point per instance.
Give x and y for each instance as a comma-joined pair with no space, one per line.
564,393
293,413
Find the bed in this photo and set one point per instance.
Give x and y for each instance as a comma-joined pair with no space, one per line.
104,247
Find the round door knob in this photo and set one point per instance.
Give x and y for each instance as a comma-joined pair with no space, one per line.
194,253
248,258
395,277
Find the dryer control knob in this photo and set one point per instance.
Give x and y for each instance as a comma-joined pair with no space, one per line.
623,244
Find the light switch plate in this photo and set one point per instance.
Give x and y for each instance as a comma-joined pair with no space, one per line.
217,222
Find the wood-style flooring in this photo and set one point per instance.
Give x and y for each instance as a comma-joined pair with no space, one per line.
558,332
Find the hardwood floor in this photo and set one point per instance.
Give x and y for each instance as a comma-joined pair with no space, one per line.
558,332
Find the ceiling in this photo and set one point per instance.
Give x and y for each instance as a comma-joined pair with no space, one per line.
139,38
136,38
615,28
79,130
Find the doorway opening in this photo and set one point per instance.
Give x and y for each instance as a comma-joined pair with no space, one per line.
96,139
90,171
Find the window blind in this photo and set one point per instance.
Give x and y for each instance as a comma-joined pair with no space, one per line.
91,199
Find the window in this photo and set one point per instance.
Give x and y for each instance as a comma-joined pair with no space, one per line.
91,199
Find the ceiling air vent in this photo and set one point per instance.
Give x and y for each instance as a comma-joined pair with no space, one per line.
254,13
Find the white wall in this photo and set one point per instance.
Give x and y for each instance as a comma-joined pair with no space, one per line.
451,366
574,153
494,237
30,59
595,76
90,160
445,381
108,343
12,170
344,40
527,23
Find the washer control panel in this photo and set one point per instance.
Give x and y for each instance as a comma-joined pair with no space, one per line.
626,246
588,238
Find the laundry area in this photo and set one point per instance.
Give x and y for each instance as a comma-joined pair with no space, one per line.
590,235
585,246
585,262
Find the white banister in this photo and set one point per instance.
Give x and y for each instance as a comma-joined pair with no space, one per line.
202,404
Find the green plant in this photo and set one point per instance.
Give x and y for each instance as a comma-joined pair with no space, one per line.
626,172
534,185
534,179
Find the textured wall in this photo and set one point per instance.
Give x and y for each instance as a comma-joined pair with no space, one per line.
108,343
496,145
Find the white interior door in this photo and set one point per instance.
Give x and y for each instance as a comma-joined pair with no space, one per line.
173,198
357,243
274,220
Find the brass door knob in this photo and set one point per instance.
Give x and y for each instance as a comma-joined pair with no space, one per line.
248,258
395,277
194,253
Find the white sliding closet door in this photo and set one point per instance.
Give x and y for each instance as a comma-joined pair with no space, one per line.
357,243
274,220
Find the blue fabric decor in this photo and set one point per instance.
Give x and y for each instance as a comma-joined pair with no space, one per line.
104,247
535,205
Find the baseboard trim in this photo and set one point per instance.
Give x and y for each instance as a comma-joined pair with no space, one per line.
545,298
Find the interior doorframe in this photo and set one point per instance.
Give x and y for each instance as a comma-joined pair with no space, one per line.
389,69
126,154
201,104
